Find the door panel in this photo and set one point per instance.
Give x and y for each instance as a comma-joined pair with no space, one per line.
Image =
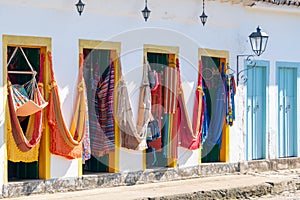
287,86
256,113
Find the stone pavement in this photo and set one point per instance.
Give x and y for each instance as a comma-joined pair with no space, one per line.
250,185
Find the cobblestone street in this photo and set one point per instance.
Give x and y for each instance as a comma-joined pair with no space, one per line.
285,195
294,174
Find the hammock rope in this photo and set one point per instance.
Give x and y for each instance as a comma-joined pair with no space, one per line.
25,142
67,142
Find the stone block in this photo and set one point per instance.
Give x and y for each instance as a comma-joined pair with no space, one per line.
60,185
131,178
87,182
188,172
294,163
258,166
280,164
23,188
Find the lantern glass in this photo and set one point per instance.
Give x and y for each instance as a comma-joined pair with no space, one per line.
258,41
146,13
203,18
80,7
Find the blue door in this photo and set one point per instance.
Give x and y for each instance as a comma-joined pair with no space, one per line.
287,115
256,112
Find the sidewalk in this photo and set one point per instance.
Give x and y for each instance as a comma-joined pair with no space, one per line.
243,186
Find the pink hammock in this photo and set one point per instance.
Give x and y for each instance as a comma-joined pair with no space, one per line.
190,137
33,134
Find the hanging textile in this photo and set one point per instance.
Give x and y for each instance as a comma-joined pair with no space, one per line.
231,90
190,137
34,128
134,136
206,119
104,107
170,92
14,154
64,142
217,118
23,95
157,111
33,132
32,136
92,75
86,143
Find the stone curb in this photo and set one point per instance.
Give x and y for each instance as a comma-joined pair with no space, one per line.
247,192
17,189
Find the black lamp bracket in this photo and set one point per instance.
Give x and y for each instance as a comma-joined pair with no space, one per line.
249,64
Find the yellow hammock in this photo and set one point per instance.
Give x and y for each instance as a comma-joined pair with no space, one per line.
64,142
13,152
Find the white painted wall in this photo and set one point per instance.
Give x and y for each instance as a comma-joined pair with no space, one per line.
61,167
227,28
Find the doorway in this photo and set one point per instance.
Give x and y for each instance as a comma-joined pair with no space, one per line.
287,110
157,151
256,111
96,67
22,166
213,68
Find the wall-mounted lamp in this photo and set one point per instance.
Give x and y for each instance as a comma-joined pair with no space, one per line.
203,17
146,12
258,41
79,7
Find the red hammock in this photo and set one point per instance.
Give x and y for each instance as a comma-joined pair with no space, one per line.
190,137
65,142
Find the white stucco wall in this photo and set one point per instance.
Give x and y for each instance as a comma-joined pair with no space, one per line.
227,28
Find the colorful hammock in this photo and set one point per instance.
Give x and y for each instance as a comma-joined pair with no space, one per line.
32,136
104,106
34,129
190,137
24,103
64,142
157,111
171,89
134,136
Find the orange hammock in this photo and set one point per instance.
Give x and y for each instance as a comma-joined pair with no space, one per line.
64,142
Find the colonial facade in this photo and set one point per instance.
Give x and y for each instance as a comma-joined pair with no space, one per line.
80,62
